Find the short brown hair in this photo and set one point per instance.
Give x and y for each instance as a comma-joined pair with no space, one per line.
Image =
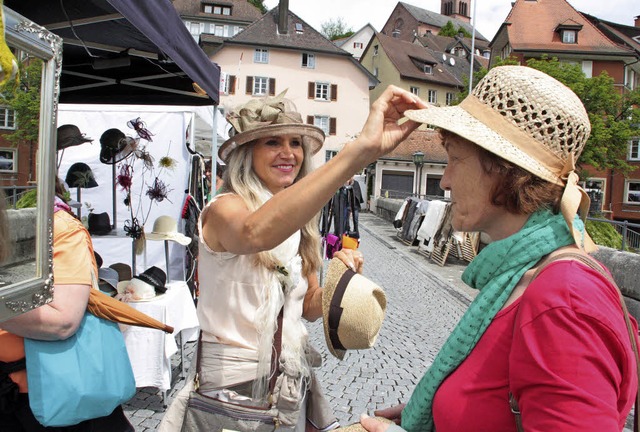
517,190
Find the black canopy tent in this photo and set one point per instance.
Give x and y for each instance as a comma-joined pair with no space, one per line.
125,52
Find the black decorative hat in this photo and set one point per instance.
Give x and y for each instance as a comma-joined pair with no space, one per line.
80,175
99,223
69,135
115,146
155,277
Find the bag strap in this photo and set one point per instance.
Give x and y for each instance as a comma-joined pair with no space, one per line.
592,263
7,368
275,357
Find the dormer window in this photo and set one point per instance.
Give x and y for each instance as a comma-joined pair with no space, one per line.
569,32
299,28
215,9
428,69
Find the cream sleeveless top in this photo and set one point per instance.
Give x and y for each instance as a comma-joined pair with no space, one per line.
231,291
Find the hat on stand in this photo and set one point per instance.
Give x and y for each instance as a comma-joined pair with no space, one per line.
116,146
148,285
69,135
353,309
166,228
99,223
108,280
80,175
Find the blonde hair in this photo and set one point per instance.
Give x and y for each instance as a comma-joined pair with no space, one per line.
241,179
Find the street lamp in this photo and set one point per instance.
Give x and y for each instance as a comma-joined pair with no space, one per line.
418,160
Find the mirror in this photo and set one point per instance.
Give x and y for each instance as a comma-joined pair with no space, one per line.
26,276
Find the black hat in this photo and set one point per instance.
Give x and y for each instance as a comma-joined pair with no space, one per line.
98,259
99,223
80,176
115,146
69,135
155,277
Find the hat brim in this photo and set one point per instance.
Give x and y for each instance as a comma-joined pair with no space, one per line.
455,119
176,237
72,142
119,155
312,136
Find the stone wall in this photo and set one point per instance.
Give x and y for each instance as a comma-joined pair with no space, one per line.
624,266
22,229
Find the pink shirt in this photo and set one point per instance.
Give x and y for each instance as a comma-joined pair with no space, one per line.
569,361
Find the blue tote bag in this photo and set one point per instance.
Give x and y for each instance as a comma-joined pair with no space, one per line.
83,377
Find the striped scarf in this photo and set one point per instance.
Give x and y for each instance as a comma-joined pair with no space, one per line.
495,272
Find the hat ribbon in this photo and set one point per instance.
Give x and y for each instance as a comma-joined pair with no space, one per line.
575,200
262,112
335,310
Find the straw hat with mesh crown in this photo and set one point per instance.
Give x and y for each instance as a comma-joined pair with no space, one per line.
265,117
353,309
530,119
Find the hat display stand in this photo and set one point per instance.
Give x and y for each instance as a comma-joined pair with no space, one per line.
113,200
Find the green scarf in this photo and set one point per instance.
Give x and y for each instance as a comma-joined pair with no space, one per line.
495,272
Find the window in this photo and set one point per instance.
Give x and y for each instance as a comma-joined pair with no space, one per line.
428,69
414,90
226,11
433,96
433,186
8,159
634,150
587,68
261,56
322,91
569,36
329,154
595,189
505,52
375,50
449,98
322,122
299,28
218,10
208,9
632,192
358,45
308,61
260,85
7,118
194,28
227,83
218,30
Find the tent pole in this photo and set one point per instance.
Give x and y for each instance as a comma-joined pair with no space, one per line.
166,258
113,194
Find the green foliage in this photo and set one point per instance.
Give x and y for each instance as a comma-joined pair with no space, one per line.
604,234
260,5
448,30
28,199
614,117
464,32
24,98
335,29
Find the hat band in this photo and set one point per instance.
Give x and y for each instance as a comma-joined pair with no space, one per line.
335,310
518,138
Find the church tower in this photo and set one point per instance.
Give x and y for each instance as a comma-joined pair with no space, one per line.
458,9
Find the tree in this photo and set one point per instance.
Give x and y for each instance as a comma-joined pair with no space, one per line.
464,32
448,30
335,29
614,117
260,5
23,96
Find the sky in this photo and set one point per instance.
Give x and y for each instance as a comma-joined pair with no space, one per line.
489,15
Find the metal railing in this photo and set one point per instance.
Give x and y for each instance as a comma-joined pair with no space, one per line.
630,238
14,193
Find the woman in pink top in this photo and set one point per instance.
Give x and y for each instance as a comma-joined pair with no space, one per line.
260,253
555,342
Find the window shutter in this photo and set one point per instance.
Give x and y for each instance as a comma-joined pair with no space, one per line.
332,126
249,85
310,120
232,84
311,90
272,86
334,92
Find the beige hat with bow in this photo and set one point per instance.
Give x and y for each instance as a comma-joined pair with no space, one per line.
529,119
166,228
353,309
274,116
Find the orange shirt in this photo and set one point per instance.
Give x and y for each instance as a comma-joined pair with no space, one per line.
73,262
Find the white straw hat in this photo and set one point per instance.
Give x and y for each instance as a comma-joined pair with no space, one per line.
166,228
529,119
353,309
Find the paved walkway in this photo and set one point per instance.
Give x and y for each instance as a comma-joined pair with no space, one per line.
424,302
